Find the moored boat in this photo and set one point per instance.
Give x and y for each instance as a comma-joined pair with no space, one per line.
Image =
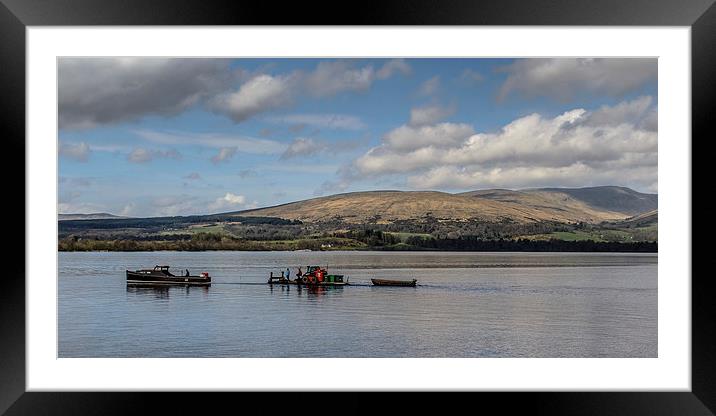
314,276
387,282
160,275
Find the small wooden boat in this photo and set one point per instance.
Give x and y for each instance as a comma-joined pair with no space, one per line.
160,275
386,282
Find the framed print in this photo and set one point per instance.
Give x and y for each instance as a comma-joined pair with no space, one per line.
247,203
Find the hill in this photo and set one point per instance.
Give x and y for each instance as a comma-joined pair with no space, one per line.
590,205
550,219
608,198
93,216
647,219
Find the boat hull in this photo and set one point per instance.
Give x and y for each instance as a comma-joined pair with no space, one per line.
385,282
139,278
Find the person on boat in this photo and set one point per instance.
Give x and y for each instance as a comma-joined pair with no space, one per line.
187,273
288,273
299,273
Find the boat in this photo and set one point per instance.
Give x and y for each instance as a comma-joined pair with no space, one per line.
314,276
386,282
160,275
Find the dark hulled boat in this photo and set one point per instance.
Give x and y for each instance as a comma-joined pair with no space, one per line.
160,275
386,282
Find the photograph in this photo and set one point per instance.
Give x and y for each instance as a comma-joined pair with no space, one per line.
357,207
229,198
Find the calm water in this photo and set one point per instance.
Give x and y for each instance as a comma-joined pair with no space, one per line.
466,305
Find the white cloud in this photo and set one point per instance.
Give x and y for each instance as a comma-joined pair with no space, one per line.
302,146
95,91
564,78
440,135
139,155
607,146
225,154
242,144
346,175
98,91
470,77
79,208
331,187
260,94
650,121
429,87
232,199
142,155
75,151
67,196
575,175
326,121
77,181
296,128
430,114
247,173
227,202
333,77
127,210
265,93
393,66
301,168
184,204
170,205
624,112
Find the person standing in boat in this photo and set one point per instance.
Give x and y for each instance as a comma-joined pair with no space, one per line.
288,273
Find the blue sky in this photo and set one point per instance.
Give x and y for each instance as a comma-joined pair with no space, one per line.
150,137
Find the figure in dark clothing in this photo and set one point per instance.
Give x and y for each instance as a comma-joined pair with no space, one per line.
187,273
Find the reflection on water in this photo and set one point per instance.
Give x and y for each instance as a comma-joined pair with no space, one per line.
541,305
162,291
159,292
307,290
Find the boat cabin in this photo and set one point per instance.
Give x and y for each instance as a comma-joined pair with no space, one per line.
157,270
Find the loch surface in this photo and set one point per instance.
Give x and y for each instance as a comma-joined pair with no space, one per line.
465,305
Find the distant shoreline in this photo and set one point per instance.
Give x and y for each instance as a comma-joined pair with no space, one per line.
315,245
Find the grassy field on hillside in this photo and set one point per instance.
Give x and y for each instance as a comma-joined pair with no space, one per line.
601,235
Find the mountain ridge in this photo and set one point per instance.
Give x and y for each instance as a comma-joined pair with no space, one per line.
569,205
390,219
90,216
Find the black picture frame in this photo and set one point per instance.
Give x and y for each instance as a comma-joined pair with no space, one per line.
16,15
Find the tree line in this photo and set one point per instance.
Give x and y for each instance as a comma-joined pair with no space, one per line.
365,239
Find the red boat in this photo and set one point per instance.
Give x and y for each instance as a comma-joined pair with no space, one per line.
314,276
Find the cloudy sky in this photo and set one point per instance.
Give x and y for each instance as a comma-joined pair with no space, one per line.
153,137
